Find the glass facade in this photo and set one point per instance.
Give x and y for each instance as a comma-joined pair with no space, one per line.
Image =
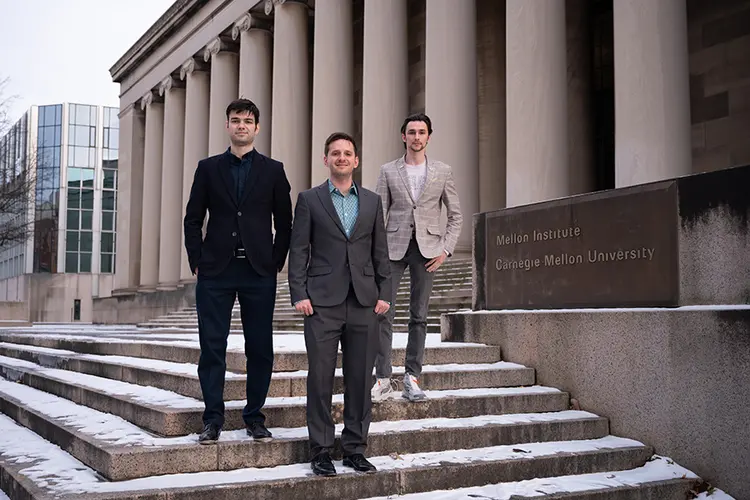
110,145
13,157
49,143
79,236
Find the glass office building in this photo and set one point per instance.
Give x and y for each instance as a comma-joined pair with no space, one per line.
73,151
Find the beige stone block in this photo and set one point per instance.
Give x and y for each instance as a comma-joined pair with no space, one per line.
698,136
739,99
726,77
710,160
734,129
708,59
738,50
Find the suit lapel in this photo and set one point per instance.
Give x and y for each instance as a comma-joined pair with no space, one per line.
401,166
325,199
252,178
226,176
429,177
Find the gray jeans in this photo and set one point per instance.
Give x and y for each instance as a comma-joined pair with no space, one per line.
421,288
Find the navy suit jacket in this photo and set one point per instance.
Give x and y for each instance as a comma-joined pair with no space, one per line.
266,194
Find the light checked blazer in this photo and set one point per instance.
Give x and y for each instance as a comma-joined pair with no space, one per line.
403,214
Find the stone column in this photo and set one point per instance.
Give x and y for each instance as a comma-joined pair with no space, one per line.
171,183
491,103
451,99
333,78
152,162
652,91
129,200
290,138
224,89
196,141
537,104
256,70
385,85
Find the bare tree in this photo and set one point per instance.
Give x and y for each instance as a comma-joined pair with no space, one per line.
17,178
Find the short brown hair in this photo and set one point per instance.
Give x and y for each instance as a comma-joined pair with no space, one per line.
336,136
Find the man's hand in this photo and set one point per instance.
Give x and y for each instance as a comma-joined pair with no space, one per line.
305,307
382,307
433,264
196,271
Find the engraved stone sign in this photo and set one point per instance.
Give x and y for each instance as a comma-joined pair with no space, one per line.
608,249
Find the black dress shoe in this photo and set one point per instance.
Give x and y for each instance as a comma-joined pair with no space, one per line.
322,465
359,463
210,434
258,432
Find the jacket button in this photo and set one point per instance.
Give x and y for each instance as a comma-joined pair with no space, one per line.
411,225
414,207
239,214
234,233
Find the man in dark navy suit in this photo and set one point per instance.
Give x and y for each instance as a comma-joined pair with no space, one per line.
242,191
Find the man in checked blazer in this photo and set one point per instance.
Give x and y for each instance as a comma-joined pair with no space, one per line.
414,190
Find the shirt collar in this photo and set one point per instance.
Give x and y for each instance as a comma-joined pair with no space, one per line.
352,190
247,156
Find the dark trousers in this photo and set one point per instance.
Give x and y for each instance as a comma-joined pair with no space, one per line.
355,326
215,297
421,283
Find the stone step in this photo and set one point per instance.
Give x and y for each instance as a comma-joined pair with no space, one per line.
182,378
278,325
27,454
121,451
169,414
289,351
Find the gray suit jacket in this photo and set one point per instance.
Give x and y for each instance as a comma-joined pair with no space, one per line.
323,262
404,215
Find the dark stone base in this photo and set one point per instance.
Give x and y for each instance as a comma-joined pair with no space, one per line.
138,307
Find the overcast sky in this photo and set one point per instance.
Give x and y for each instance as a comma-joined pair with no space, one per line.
61,50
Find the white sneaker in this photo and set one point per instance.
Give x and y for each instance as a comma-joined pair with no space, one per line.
383,389
411,391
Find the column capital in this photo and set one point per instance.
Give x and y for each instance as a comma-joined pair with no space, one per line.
149,98
192,64
270,4
217,45
248,22
168,84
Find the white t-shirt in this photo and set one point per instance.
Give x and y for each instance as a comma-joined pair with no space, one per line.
416,174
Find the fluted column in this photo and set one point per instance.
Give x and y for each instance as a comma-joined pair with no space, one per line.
451,99
196,141
537,111
333,78
290,138
385,85
129,200
152,162
256,70
171,183
224,89
652,91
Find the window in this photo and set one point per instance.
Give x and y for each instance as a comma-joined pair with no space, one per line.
49,135
110,143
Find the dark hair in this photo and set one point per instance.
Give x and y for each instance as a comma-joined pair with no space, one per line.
336,136
417,117
244,106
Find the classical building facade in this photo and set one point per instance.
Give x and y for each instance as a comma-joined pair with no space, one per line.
69,152
530,99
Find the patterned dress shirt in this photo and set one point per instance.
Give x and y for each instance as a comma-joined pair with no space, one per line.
347,207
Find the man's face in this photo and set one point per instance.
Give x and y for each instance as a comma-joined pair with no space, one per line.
416,136
341,160
242,128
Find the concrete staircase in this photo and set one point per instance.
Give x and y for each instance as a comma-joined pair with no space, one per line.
451,291
113,412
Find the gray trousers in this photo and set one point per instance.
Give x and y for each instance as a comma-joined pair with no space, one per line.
355,326
419,301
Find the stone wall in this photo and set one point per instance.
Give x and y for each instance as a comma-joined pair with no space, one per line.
678,380
719,45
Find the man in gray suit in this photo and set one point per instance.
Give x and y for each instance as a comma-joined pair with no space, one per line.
339,278
414,190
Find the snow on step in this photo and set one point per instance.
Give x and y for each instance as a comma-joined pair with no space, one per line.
47,465
158,397
116,431
659,469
